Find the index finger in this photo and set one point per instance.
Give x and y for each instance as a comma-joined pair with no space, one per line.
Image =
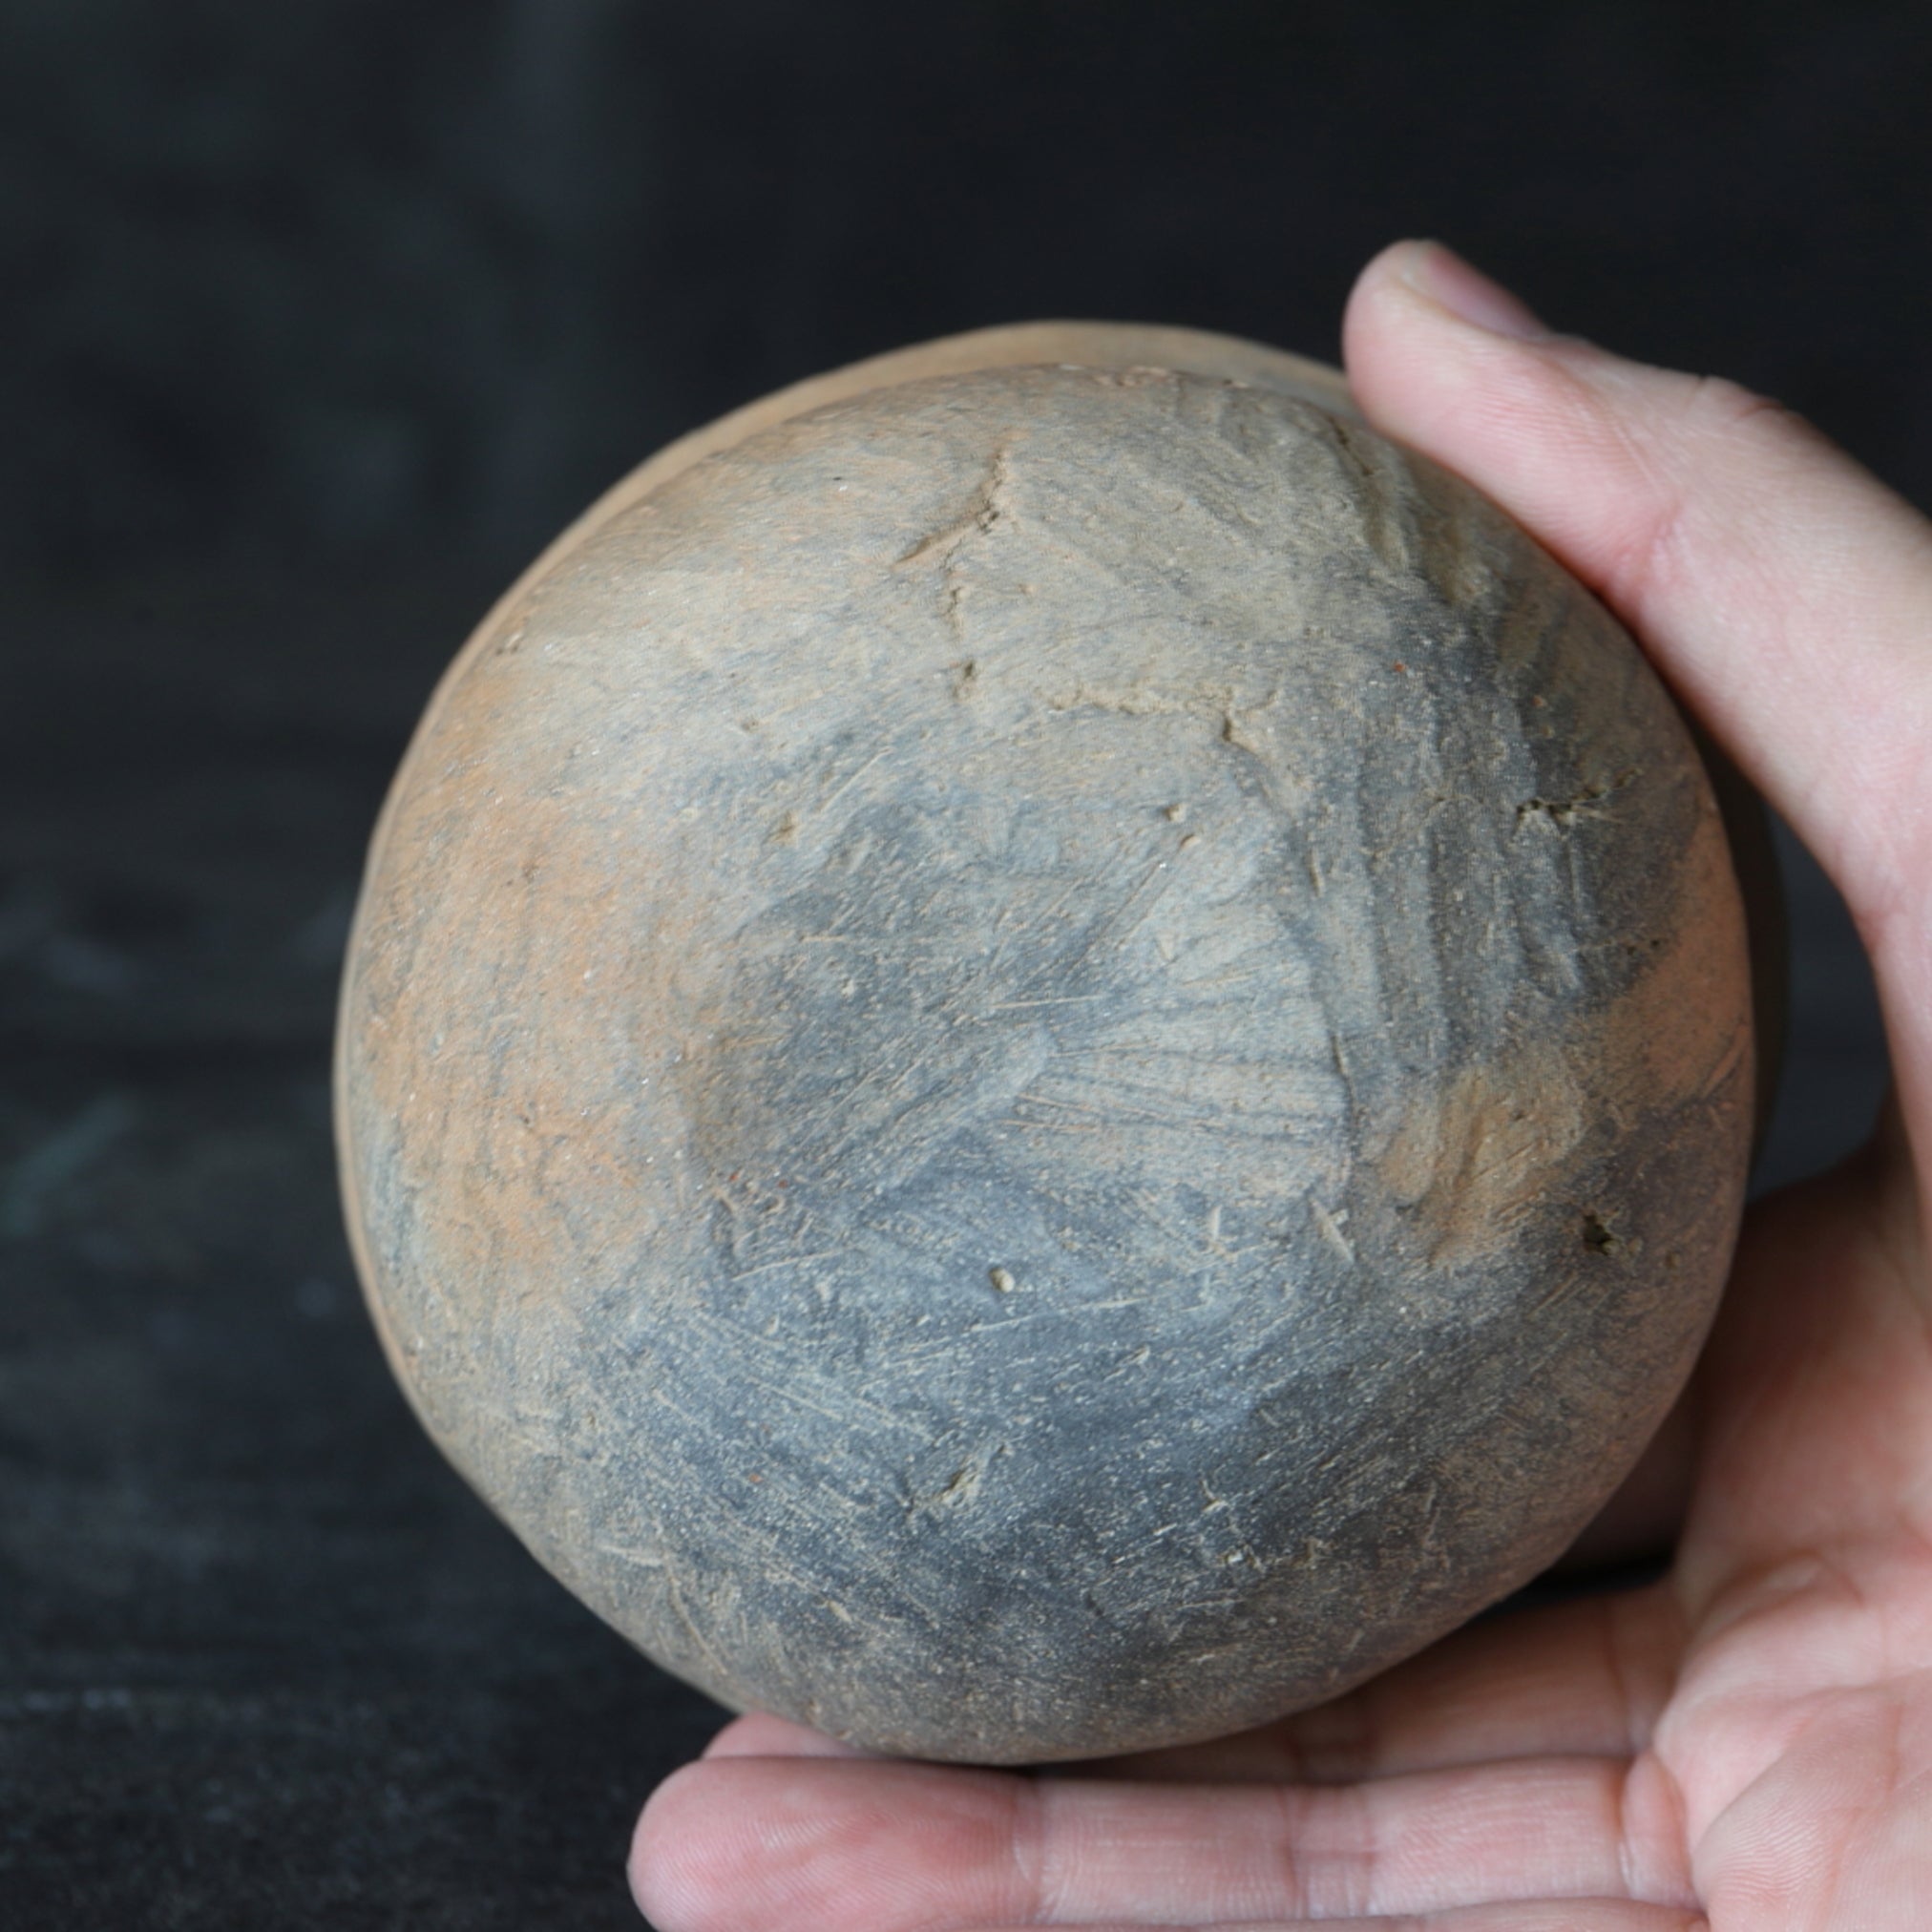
1781,588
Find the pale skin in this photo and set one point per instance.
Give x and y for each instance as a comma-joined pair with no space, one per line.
1745,1746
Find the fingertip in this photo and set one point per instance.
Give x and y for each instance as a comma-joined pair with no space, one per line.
1387,265
732,1847
1423,285
1438,355
1435,272
764,1843
759,1735
669,1867
1382,291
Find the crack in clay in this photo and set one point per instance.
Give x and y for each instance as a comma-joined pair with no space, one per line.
1561,814
988,507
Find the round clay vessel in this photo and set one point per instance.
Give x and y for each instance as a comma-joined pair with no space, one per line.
1045,1053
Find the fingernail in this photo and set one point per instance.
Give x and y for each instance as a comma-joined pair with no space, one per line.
1445,279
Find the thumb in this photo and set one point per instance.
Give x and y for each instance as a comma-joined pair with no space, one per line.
1782,591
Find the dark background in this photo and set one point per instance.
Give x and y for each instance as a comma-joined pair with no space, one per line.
320,320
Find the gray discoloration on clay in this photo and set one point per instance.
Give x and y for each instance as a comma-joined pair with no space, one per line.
1047,1062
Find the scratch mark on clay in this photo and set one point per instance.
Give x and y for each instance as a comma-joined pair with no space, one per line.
792,1395
958,1489
1013,1321
846,784
1329,1226
790,1261
1064,1000
632,1559
674,1596
1342,1068
1740,1042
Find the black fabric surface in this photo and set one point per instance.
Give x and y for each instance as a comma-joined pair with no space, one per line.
327,317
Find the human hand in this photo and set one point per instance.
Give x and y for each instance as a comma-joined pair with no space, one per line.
1746,1744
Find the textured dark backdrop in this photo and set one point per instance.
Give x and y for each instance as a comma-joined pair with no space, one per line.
320,320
